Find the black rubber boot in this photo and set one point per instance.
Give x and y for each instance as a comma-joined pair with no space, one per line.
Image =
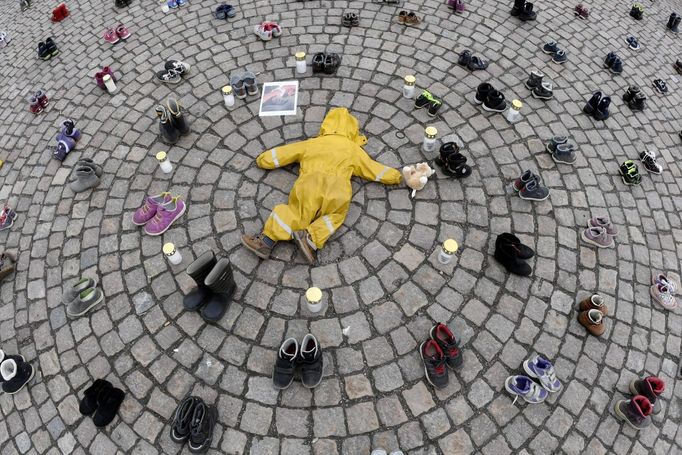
518,7
527,14
169,133
177,117
198,271
671,21
222,286
676,24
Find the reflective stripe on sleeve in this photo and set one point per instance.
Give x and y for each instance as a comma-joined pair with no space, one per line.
381,174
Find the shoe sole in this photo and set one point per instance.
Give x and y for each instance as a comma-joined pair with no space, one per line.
33,372
559,62
182,212
254,251
671,307
485,108
542,97
532,199
426,372
548,52
563,162
75,315
592,242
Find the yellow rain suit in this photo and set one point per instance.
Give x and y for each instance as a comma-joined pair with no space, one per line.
321,195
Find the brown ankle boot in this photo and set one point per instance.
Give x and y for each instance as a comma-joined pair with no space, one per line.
257,245
308,251
596,302
593,321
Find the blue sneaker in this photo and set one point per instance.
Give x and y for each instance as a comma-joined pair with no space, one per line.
617,66
524,387
560,56
172,4
550,47
181,2
541,369
632,42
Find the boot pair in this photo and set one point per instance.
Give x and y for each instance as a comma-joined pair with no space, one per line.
598,106
512,254
101,400
629,173
674,23
193,422
15,372
561,150
472,62
637,11
529,187
305,359
38,102
613,63
215,286
60,13
491,99
80,297
47,49
172,121
646,401
540,89
7,218
326,63
591,314
634,98
452,162
99,77
440,350
428,100
86,174
524,10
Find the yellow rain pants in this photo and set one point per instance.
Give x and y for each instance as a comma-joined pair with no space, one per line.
321,195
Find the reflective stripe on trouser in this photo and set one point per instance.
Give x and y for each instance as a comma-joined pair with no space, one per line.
322,228
277,227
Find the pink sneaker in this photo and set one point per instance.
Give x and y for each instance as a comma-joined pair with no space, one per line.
111,36
150,207
273,27
662,295
122,31
165,216
459,6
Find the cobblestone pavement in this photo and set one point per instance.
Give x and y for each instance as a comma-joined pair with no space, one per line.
380,271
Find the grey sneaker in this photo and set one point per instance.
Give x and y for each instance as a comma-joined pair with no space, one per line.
598,237
84,301
87,162
85,179
534,192
564,154
238,86
556,140
250,83
72,292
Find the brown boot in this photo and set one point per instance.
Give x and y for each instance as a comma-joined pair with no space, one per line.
593,321
308,252
7,262
257,245
596,302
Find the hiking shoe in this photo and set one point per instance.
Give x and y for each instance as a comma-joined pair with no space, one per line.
659,278
556,140
602,112
598,237
442,335
534,79
660,86
528,14
203,421
648,158
477,63
310,361
636,412
632,42
526,388
662,295
550,47
533,191
72,292
595,302
617,66
604,223
168,76
434,364
520,182
434,106
258,245
629,173
495,102
306,246
149,208
86,300
560,56
482,92
652,388
166,214
15,375
182,419
423,100
540,368
543,91
593,321
285,364
564,154
592,104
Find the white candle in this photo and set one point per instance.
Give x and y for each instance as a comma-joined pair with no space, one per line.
447,251
228,96
173,255
429,144
313,297
109,83
300,63
408,88
164,163
513,113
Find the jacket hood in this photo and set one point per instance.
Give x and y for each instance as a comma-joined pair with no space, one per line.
340,121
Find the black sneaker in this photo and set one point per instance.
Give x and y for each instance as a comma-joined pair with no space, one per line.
424,99
285,365
482,92
442,335
204,418
52,47
638,103
660,86
609,59
630,93
43,51
434,364
464,58
179,67
15,375
528,14
617,66
543,91
318,62
310,361
495,102
182,419
168,76
602,111
649,160
331,63
629,173
434,107
477,63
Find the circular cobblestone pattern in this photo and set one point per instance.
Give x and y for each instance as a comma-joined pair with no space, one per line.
379,272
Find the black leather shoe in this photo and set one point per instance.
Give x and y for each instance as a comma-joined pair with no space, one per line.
318,62
182,419
201,431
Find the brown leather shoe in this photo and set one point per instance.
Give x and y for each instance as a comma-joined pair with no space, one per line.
596,302
593,321
257,245
301,238
7,262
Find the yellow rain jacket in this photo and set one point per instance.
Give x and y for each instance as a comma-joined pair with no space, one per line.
321,195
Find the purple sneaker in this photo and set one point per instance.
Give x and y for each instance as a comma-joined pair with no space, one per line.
603,222
148,210
598,237
69,129
166,214
541,368
524,387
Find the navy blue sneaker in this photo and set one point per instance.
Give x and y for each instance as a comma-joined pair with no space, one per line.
602,111
632,42
617,66
608,61
550,47
560,56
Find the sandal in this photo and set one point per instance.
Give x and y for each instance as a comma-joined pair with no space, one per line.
331,63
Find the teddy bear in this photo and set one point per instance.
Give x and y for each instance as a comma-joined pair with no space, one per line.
417,175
